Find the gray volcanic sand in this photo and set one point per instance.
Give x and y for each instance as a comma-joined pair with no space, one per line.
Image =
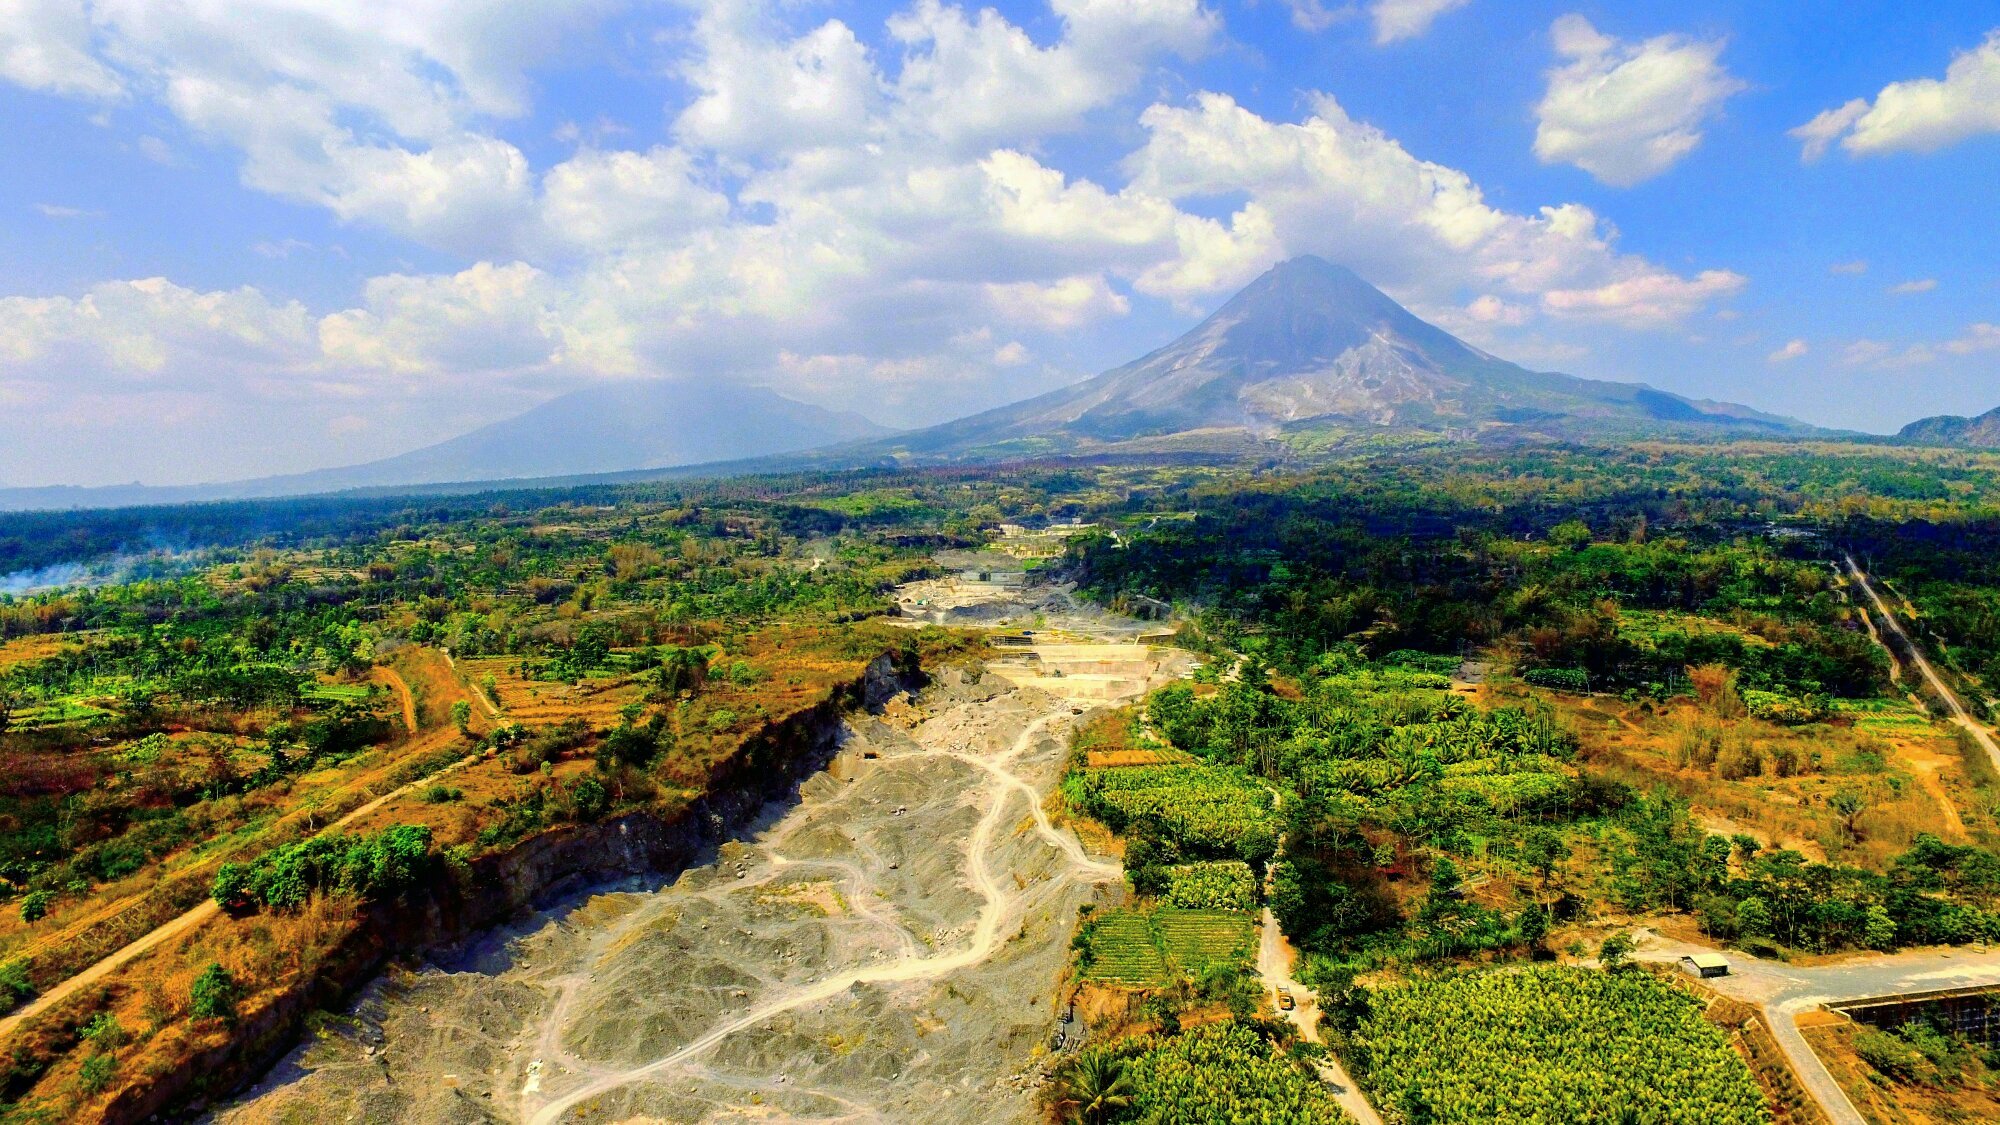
830,967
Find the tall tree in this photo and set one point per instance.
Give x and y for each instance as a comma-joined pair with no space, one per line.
1093,1086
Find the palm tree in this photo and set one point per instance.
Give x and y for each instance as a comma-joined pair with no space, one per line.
1093,1085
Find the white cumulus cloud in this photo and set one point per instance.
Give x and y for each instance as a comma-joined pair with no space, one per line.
1918,115
1337,187
889,226
1977,339
1069,303
46,45
1626,112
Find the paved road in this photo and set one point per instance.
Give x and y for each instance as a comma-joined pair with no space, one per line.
1783,991
1959,715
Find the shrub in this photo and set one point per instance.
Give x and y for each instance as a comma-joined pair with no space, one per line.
1777,707
376,866
1561,679
590,798
1616,952
214,994
1893,1057
95,1075
543,745
35,906
104,1032
14,985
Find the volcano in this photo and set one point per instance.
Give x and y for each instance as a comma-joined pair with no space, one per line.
1311,345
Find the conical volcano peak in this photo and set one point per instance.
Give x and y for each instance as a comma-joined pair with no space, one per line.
1303,314
1313,282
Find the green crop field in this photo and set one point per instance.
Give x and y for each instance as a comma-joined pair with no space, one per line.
1122,950
1209,809
1883,716
1196,939
1551,1046
1133,947
334,693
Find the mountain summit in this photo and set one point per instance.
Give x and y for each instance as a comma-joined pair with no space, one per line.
1310,344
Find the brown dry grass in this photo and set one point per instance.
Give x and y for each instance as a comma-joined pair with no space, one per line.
540,703
1741,775
277,955
82,930
435,685
27,650
1106,759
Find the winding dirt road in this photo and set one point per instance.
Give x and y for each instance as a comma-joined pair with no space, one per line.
409,701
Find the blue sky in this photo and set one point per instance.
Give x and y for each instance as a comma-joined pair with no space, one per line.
248,237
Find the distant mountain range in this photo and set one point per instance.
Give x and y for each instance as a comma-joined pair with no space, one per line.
1982,432
649,424
1309,346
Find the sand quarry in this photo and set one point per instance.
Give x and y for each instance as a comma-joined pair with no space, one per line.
885,949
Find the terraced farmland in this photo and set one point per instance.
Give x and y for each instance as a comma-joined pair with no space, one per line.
542,703
1884,716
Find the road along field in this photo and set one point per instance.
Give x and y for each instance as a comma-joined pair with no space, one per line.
884,950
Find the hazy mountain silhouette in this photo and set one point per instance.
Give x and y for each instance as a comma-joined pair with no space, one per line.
650,424
612,428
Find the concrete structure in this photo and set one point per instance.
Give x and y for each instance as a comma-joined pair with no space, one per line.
1970,1012
1705,965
